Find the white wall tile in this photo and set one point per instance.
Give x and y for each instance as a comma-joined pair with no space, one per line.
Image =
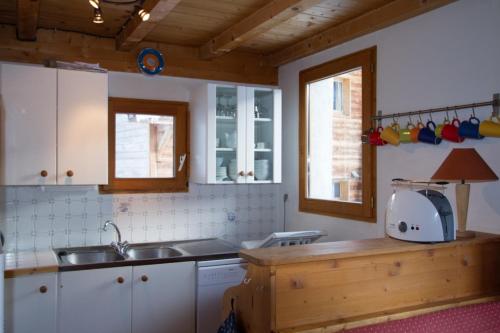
48,217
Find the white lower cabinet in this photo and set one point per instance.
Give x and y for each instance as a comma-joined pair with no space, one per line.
138,299
96,300
30,303
164,298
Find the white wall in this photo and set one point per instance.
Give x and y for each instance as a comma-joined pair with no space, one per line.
445,57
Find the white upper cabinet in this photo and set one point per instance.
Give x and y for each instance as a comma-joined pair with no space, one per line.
236,135
28,119
54,126
82,129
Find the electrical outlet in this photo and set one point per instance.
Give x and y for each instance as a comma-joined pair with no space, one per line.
231,216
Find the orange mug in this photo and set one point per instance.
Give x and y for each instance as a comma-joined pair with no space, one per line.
415,130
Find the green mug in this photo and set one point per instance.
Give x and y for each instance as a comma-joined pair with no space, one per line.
405,134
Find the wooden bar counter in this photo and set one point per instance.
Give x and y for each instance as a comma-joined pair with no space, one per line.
327,287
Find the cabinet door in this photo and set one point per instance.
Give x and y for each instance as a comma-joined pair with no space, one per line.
82,142
164,298
263,135
96,300
226,134
30,303
28,117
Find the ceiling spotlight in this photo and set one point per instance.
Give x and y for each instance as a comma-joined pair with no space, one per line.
144,14
98,16
94,3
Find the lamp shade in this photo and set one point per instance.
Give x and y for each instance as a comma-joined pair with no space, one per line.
464,165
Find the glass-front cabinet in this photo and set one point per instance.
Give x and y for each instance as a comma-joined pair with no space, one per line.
236,135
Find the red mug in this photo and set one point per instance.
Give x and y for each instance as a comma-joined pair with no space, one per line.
450,131
374,137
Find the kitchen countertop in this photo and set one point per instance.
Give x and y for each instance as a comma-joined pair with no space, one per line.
346,249
35,262
30,262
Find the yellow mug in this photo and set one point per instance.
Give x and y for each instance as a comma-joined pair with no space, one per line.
390,134
490,127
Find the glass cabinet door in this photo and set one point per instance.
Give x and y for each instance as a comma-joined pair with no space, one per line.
229,136
263,144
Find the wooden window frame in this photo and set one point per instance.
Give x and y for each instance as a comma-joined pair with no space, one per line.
366,210
179,110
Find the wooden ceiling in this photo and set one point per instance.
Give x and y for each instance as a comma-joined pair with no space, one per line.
270,32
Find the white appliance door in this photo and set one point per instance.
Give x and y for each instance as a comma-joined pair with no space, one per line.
213,281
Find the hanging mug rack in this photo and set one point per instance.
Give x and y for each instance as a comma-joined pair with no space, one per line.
429,132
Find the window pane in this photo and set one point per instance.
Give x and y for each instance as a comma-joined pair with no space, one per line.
227,134
144,146
334,157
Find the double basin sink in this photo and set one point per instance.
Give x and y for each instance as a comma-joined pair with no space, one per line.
150,252
106,254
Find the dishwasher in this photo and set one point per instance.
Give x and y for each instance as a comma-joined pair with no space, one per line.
214,277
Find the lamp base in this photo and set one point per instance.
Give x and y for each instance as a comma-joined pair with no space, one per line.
465,234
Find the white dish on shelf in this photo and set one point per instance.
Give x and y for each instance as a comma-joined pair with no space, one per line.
233,169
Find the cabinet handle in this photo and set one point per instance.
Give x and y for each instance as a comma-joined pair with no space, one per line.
43,289
250,174
144,278
69,173
44,173
120,280
241,173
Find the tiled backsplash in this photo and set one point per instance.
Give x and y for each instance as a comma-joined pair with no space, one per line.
34,218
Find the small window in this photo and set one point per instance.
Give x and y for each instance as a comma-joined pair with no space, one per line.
147,146
337,172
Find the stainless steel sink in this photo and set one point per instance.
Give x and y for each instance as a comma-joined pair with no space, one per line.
104,254
82,256
138,253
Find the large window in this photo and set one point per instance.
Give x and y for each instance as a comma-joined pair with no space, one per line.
147,146
337,172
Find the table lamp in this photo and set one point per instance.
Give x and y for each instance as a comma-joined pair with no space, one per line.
464,166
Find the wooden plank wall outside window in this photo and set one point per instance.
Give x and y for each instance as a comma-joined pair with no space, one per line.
364,207
180,138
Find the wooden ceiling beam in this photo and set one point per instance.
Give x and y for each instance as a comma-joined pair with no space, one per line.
181,61
382,17
135,30
27,19
264,19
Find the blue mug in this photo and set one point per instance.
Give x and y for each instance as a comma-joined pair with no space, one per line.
428,134
470,128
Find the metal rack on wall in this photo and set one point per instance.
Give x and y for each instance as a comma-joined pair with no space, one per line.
495,103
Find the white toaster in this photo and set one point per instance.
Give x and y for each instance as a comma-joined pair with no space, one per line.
419,216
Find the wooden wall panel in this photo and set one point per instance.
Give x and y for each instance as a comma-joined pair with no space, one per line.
311,21
340,289
379,18
180,61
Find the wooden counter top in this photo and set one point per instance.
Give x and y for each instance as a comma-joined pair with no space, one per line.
347,249
321,287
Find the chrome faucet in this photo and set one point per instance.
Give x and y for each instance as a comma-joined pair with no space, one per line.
119,246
